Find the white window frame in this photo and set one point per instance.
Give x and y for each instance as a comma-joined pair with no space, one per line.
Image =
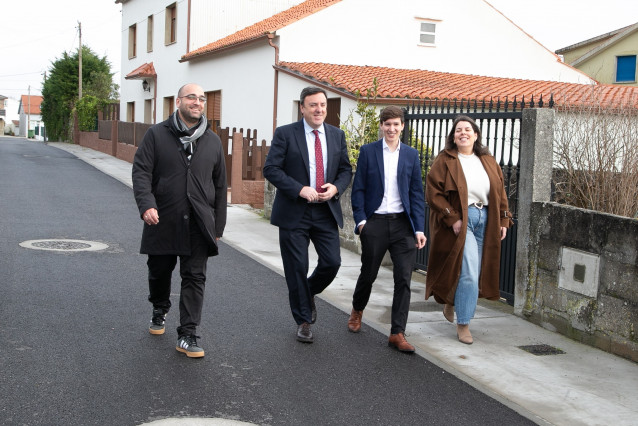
421,31
170,26
132,41
149,33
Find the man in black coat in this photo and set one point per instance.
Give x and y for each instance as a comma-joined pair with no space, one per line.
308,164
179,182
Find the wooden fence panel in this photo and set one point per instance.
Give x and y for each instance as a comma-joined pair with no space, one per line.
140,131
126,132
104,129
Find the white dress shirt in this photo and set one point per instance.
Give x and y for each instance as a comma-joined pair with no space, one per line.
391,202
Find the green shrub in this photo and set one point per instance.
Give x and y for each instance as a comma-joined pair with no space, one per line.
361,126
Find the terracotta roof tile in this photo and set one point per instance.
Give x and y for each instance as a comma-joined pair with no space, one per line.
143,71
403,84
33,102
260,29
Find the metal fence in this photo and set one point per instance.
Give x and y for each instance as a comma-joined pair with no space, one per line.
427,125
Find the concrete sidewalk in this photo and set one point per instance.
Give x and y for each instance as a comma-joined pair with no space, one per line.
582,386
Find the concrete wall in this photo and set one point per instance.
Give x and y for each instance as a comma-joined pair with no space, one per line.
600,307
576,269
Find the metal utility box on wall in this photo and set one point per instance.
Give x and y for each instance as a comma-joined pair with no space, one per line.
579,272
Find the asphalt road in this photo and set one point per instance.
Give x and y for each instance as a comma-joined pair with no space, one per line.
75,350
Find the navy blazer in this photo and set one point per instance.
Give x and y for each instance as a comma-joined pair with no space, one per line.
287,168
369,182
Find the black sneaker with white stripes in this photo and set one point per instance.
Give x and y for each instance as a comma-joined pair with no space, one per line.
188,346
157,322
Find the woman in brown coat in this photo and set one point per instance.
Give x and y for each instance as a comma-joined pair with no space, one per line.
468,219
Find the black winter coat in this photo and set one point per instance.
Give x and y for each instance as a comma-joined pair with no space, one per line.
163,179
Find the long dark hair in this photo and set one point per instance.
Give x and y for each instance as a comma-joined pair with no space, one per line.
478,148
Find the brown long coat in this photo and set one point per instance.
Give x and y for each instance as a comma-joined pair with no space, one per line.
446,194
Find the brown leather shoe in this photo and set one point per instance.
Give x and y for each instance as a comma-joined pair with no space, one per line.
463,334
304,334
398,341
354,322
448,312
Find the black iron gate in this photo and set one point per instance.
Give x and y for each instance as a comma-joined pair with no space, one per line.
426,127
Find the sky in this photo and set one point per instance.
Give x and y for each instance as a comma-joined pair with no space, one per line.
37,32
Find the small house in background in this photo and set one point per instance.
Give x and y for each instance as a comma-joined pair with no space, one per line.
609,58
13,127
3,114
9,116
31,124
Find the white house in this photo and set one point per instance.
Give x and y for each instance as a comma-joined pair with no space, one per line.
11,106
251,57
31,124
3,113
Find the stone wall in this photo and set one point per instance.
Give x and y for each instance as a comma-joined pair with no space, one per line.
89,140
125,152
576,269
583,270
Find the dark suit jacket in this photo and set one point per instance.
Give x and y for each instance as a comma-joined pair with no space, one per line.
368,185
287,168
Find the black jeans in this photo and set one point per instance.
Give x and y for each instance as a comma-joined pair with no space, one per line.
379,235
192,269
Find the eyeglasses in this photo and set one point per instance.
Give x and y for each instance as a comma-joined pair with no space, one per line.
194,98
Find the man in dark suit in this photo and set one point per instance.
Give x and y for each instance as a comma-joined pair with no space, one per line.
308,164
389,213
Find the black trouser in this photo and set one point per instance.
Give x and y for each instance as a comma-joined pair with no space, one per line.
192,269
319,226
383,233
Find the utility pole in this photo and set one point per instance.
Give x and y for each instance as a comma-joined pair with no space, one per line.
28,110
80,62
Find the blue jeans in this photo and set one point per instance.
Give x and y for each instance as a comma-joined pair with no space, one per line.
467,289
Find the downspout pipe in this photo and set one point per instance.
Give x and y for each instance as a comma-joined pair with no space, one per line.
271,37
154,98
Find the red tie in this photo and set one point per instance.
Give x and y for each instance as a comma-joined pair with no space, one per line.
319,162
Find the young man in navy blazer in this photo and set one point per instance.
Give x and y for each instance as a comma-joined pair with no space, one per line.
308,164
389,212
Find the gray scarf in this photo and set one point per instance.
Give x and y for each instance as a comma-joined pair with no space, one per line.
188,141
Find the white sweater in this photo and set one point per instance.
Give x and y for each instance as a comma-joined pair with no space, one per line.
478,184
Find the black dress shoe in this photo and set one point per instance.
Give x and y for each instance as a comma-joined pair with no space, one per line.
313,310
304,334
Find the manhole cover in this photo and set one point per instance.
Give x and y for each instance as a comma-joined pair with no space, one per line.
542,350
63,245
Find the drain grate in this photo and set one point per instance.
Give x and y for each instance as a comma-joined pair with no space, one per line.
63,245
541,349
